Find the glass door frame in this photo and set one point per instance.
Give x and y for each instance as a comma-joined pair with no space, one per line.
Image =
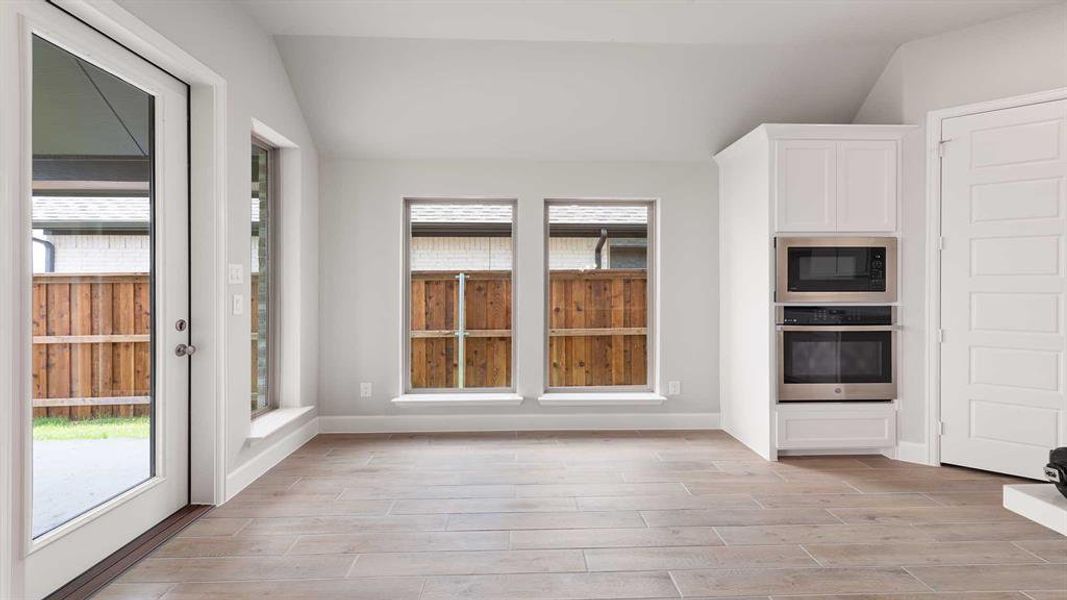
209,310
18,558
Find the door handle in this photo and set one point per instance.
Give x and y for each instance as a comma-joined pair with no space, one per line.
185,350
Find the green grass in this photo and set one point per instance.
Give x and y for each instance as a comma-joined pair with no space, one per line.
51,428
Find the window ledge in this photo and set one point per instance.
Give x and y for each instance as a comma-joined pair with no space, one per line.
601,399
271,422
460,399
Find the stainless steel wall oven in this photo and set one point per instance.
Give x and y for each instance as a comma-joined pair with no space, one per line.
836,269
836,353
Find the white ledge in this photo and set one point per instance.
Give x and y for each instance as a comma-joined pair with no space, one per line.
271,422
460,399
601,399
1042,503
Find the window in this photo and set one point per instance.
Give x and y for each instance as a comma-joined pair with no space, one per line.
263,274
599,294
459,261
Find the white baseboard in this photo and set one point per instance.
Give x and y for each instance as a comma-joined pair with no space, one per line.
829,452
270,456
512,422
913,452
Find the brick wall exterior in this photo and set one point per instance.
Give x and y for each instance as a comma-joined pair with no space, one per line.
99,253
476,254
129,253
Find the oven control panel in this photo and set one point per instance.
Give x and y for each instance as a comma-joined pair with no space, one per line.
836,315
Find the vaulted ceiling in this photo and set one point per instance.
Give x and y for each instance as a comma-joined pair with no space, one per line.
587,79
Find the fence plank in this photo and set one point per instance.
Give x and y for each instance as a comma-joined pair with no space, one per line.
89,402
59,354
81,382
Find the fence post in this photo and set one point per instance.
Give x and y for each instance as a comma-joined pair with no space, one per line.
461,329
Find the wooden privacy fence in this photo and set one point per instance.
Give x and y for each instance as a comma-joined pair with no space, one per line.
91,345
434,325
598,328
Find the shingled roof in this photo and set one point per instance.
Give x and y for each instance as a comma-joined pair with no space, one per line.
79,212
609,214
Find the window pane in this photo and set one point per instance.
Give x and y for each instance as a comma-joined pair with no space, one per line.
598,295
460,256
260,269
93,290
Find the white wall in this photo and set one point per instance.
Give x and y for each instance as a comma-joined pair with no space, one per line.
362,238
229,42
1008,57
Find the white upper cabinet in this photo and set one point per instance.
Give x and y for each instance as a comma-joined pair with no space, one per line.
867,186
806,185
836,185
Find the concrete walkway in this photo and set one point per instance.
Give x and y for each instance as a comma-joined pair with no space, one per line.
73,476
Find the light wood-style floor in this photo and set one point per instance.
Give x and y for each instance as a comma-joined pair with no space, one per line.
579,515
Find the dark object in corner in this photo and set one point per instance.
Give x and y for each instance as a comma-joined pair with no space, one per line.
1056,470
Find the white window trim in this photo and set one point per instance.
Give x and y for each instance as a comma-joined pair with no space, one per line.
607,395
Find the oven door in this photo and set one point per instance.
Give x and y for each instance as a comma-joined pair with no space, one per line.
836,363
836,270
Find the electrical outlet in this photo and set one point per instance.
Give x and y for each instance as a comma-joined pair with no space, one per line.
674,388
238,304
366,389
235,275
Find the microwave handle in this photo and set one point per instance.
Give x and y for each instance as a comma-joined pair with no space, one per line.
781,327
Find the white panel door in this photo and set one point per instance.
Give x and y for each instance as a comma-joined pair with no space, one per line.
806,185
867,185
1004,177
106,333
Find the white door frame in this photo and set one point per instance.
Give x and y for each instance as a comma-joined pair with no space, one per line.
207,179
933,240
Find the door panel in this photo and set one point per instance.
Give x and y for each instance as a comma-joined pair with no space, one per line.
1003,280
806,185
867,186
109,437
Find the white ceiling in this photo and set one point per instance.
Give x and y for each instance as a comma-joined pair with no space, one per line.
536,80
632,21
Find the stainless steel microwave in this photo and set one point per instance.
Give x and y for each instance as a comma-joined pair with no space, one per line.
836,269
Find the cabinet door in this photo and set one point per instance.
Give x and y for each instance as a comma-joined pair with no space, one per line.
867,185
806,186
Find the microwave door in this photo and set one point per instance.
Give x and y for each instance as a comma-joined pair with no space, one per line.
836,270
831,270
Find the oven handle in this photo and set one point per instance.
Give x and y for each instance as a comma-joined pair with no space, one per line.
780,327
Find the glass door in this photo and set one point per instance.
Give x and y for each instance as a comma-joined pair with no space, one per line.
108,294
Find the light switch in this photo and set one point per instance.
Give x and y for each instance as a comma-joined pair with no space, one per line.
238,304
236,274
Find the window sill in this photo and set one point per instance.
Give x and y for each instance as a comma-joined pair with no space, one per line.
269,423
601,399
460,399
